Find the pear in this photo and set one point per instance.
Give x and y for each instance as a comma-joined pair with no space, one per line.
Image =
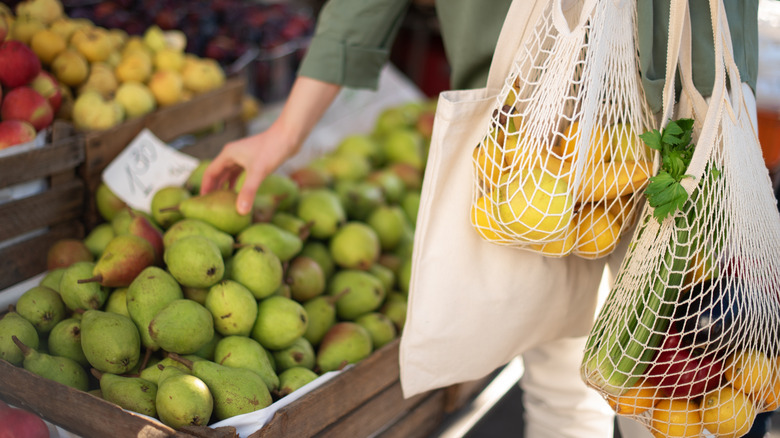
125,256
107,202
42,306
299,354
206,351
149,292
52,279
347,167
136,98
183,400
195,261
321,312
233,307
282,242
197,294
264,207
60,369
385,275
410,175
14,325
391,185
244,352
389,222
141,226
97,239
291,223
92,112
131,393
65,340
258,269
355,246
364,145
410,203
345,343
110,341
192,183
381,328
65,252
188,227
311,177
404,275
283,188
362,293
168,197
321,254
101,78
323,209
182,326
405,146
235,390
280,321
293,379
154,370
395,308
79,295
359,198
117,302
217,208
305,278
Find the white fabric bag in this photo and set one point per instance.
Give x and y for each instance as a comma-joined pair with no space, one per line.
473,305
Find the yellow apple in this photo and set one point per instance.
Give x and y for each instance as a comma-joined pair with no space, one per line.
136,99
134,66
101,79
166,86
47,44
91,112
70,67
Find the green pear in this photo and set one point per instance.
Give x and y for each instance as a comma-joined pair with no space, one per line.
283,188
405,146
195,261
258,269
381,328
305,278
395,308
363,145
151,290
393,118
359,198
77,295
244,352
198,294
60,369
107,202
117,302
188,227
164,198
14,325
410,203
42,306
292,224
110,341
145,228
65,340
355,246
235,390
323,209
321,312
217,208
183,400
385,275
282,242
362,293
280,321
264,207
182,326
121,222
97,239
125,256
321,254
293,379
405,275
233,307
389,183
52,279
131,393
192,183
154,369
410,175
345,343
299,354
347,167
388,221
206,351
311,177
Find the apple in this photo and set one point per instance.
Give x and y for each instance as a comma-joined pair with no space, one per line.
19,422
48,86
92,112
13,132
70,67
47,11
24,103
4,27
167,87
136,99
18,64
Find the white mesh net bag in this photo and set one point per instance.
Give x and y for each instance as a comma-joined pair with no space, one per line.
688,339
561,165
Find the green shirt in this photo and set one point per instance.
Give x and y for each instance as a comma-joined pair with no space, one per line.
353,39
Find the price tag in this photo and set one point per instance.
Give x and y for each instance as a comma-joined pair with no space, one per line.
146,165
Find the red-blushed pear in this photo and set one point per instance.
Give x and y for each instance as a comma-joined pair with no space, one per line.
125,256
49,88
24,103
13,132
141,226
67,251
18,64
4,28
19,422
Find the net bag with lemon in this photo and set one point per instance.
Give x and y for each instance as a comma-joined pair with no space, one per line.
688,340
561,165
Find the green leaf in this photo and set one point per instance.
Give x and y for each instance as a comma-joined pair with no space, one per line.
652,139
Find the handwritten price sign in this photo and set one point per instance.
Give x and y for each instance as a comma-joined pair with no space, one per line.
146,165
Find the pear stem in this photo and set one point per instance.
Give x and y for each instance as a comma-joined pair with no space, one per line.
25,349
334,298
98,278
182,360
145,360
95,372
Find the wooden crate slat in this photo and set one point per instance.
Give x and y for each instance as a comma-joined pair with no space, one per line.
27,258
209,146
39,163
59,204
456,396
420,421
338,397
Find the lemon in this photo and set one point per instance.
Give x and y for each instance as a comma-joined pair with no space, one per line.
598,231
604,181
636,400
772,397
749,371
540,209
625,144
557,248
676,418
483,220
572,139
488,159
728,413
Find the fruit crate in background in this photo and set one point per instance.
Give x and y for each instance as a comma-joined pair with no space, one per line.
199,127
364,400
30,224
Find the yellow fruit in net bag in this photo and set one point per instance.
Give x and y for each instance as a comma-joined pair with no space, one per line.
625,144
536,206
598,231
605,181
488,158
676,418
749,371
636,400
772,397
484,222
558,248
727,412
572,142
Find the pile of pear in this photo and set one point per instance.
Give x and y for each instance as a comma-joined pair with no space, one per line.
106,76
193,313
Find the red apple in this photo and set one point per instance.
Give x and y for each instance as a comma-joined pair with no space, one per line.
13,132
48,87
24,103
21,423
3,28
18,64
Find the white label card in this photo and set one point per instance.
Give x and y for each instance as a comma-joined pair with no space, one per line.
146,165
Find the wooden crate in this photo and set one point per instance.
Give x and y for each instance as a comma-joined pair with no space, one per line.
209,120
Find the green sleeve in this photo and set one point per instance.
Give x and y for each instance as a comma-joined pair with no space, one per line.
653,25
352,41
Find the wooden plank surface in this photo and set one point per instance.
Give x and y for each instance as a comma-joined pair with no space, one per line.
208,147
456,396
420,421
58,204
39,163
